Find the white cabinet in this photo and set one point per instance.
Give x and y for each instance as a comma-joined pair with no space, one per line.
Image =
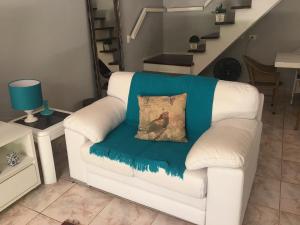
16,181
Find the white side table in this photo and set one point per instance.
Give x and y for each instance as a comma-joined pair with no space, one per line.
45,130
18,180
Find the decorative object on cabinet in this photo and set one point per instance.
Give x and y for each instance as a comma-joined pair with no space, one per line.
46,111
12,159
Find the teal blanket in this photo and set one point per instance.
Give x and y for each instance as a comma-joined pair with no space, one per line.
120,144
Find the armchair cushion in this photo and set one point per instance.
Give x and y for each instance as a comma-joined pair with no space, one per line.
97,120
226,144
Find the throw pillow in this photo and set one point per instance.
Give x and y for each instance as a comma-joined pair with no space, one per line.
162,118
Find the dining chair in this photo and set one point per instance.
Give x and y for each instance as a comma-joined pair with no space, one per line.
264,76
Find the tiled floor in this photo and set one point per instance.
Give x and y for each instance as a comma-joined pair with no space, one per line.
275,198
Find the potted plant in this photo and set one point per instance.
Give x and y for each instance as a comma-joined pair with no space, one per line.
194,42
220,13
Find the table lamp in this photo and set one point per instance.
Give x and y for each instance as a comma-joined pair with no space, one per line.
26,95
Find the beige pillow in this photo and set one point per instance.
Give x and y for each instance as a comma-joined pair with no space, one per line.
162,118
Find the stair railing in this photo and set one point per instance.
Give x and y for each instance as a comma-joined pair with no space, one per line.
145,11
141,19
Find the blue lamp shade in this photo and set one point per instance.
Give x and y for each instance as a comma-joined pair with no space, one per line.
25,94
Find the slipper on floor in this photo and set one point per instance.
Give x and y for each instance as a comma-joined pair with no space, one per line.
71,222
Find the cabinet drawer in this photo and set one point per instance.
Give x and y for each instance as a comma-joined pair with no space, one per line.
15,186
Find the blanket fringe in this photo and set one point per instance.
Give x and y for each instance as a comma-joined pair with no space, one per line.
138,163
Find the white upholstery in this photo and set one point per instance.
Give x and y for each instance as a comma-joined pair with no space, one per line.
119,85
231,99
194,183
235,100
104,163
226,144
211,196
229,189
98,119
145,193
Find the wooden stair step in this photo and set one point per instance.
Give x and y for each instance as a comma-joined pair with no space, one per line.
106,39
109,51
114,63
104,28
241,4
102,18
171,59
214,35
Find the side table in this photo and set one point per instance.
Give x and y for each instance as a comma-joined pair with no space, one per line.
18,180
46,129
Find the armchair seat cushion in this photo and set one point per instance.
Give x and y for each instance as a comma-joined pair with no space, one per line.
105,163
193,184
121,145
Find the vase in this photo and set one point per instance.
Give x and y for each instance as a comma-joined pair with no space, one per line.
193,46
220,17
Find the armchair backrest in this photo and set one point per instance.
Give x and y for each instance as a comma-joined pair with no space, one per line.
231,99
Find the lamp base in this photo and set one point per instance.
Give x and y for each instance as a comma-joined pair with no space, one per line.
30,117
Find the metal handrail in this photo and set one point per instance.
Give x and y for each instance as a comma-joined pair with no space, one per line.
145,11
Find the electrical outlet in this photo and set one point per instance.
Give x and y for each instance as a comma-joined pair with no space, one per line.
252,37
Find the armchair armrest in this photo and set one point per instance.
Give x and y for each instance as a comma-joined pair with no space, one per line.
98,119
226,144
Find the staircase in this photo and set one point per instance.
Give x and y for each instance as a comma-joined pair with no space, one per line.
241,16
106,42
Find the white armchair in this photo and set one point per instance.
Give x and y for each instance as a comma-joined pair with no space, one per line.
220,167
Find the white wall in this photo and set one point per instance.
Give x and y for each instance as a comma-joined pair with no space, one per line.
278,31
180,26
46,40
149,40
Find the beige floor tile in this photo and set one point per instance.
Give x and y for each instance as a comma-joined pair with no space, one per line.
292,136
291,152
291,114
289,219
290,119
290,198
269,167
291,145
266,192
43,220
80,203
44,195
271,142
259,215
122,212
272,133
163,219
291,172
16,215
275,121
